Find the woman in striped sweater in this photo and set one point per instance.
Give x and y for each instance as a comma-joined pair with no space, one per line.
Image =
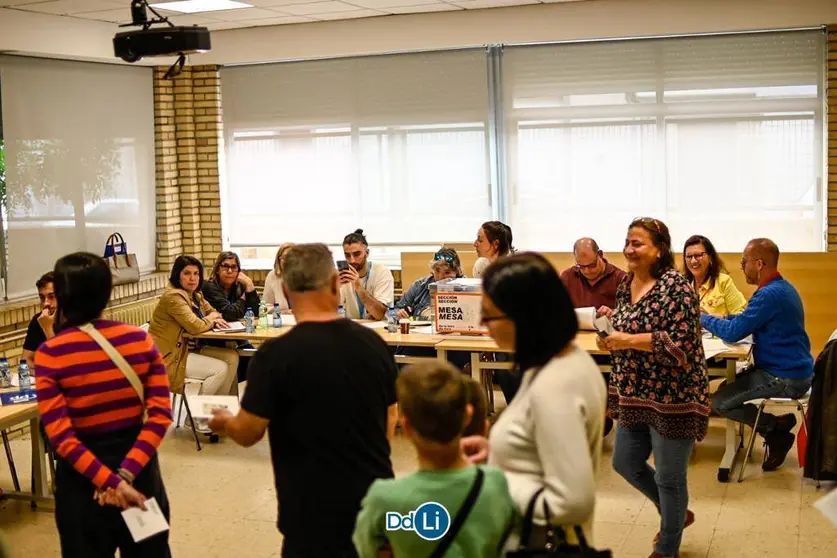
105,430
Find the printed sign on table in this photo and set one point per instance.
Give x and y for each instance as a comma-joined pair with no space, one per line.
458,313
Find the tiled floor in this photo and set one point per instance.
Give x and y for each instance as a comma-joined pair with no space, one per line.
224,506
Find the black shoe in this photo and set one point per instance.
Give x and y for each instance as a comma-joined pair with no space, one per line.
785,423
778,443
608,426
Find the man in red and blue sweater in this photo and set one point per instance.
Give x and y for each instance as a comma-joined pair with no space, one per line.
782,351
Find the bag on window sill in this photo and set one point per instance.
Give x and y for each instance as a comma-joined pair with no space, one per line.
123,266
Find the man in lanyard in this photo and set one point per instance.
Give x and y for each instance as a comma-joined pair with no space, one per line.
366,288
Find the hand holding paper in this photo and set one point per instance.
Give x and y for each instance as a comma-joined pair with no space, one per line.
146,522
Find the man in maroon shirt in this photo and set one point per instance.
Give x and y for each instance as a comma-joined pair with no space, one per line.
593,280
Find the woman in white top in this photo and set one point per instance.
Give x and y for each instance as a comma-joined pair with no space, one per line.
494,240
549,438
273,293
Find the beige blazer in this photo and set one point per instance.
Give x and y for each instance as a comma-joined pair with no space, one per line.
173,317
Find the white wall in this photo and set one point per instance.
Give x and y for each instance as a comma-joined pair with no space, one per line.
537,23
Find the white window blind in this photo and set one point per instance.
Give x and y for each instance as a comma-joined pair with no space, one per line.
396,145
79,146
717,135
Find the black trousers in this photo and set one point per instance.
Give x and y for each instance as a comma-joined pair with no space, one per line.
88,530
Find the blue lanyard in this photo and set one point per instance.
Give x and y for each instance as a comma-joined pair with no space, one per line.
360,307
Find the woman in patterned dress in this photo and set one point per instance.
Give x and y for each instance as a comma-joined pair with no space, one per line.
658,388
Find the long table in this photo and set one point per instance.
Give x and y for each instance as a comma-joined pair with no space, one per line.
13,415
481,344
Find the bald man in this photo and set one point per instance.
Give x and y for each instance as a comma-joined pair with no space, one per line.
782,351
593,280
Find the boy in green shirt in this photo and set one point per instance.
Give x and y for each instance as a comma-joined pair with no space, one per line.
434,400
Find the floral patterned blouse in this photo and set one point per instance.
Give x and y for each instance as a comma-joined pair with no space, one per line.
667,388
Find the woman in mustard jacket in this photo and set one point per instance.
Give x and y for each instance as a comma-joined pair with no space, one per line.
704,269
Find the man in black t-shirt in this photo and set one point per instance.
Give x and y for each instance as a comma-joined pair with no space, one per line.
326,389
42,325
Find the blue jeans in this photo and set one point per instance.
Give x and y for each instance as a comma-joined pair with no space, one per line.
731,400
666,486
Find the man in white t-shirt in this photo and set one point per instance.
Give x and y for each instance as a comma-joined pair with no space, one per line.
366,288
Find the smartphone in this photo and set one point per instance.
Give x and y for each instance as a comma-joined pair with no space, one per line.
342,265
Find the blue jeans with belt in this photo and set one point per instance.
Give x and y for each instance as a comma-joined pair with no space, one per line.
666,486
754,383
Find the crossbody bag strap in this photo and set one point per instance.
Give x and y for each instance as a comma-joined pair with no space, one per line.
461,516
120,362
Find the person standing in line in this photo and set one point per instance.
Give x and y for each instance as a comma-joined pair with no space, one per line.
659,391
549,438
367,289
105,422
323,462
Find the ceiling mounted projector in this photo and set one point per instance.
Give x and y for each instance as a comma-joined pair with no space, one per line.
166,40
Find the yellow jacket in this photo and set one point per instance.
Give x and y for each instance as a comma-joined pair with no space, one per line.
173,317
723,299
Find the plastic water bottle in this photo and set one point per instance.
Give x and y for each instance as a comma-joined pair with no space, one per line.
24,378
263,319
277,316
5,373
249,321
392,320
341,311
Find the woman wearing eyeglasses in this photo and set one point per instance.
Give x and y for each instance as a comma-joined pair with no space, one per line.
416,301
659,392
704,269
229,290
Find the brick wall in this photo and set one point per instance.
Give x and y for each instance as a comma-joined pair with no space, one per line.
831,136
188,128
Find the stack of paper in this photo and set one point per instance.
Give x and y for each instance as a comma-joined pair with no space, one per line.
235,327
586,318
713,347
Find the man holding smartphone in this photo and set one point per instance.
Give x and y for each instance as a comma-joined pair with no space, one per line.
366,289
42,326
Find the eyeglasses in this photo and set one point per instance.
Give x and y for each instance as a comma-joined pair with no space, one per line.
228,267
745,261
590,266
696,257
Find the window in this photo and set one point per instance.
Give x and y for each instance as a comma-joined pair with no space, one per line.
396,145
79,158
717,135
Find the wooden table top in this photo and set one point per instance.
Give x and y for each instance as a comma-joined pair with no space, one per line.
14,414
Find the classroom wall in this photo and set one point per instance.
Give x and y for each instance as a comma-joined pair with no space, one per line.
593,19
811,273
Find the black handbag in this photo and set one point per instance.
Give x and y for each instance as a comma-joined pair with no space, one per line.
556,540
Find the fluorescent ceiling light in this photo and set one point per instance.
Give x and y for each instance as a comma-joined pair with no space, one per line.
198,6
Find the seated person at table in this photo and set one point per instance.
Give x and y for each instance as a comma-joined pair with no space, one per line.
435,410
183,310
366,288
704,269
416,301
42,326
273,282
229,290
593,281
782,351
494,241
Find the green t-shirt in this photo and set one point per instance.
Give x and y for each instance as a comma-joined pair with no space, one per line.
483,534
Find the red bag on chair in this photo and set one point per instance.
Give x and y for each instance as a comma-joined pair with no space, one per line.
802,440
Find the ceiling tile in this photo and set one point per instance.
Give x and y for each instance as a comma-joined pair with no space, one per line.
383,5
482,4
560,1
423,8
276,3
328,7
240,14
112,16
219,26
356,14
65,7
17,3
191,19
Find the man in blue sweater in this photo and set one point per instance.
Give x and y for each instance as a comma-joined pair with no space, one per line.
782,352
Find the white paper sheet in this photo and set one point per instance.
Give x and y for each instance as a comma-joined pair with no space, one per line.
144,524
235,327
828,506
423,330
604,325
375,325
202,405
586,318
713,347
